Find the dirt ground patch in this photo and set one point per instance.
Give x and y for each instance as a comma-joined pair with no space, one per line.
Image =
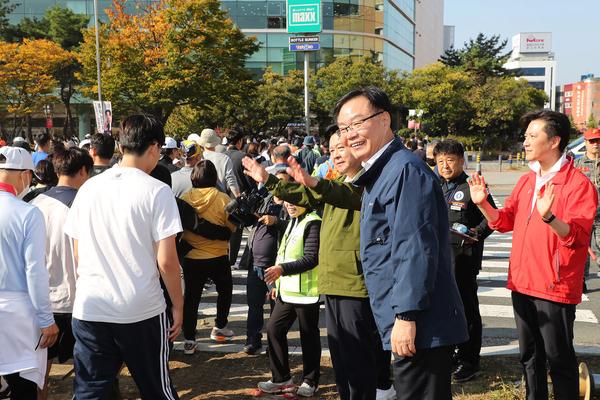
233,376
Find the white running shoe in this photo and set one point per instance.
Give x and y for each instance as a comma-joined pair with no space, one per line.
221,335
307,390
189,347
271,387
389,394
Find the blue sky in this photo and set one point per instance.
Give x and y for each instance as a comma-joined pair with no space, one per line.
575,27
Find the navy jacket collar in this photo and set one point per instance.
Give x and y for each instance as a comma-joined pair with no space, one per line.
375,170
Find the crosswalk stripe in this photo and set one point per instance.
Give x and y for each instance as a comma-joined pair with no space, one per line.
499,245
502,292
492,276
496,254
498,311
494,264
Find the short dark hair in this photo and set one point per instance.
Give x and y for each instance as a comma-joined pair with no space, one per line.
104,145
44,174
162,173
42,139
204,175
281,152
449,146
138,132
377,97
234,136
555,124
70,161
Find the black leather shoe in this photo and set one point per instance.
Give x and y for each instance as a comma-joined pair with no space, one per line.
465,373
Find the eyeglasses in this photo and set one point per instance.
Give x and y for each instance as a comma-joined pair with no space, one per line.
356,125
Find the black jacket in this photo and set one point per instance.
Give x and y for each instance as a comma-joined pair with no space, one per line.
463,211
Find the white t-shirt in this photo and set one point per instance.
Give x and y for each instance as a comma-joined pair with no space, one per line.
54,204
117,218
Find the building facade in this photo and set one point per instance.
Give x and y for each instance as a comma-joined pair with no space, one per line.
533,59
382,29
581,101
37,8
429,32
449,32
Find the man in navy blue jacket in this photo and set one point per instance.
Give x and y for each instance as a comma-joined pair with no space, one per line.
405,249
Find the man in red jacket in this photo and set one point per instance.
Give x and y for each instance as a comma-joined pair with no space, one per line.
550,211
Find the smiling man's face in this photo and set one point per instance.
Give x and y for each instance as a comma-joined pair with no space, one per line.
366,140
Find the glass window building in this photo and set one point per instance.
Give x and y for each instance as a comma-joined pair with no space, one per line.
383,29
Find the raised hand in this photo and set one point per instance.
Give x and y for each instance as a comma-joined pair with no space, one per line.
254,170
544,201
299,174
478,189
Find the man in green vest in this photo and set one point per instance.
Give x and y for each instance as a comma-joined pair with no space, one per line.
364,371
297,297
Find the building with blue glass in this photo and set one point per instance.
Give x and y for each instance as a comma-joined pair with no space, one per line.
383,29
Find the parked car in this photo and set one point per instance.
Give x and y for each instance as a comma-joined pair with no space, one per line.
576,148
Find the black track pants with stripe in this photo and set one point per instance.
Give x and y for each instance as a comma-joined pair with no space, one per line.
102,347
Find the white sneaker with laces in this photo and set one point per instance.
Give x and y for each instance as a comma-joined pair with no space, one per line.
189,347
386,394
307,390
221,335
281,387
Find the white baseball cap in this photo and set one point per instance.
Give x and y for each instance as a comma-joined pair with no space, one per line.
170,143
15,158
85,142
194,137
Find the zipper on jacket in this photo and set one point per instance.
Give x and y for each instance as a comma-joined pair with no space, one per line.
557,265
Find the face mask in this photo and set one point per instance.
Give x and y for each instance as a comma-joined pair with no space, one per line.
25,188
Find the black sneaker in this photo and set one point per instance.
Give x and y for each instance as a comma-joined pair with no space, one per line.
465,373
252,349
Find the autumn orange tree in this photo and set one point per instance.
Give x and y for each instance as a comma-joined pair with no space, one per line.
170,54
28,77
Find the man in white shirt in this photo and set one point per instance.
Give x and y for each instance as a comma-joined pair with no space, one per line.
123,222
73,167
27,326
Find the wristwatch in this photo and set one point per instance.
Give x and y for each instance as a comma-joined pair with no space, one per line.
549,219
407,316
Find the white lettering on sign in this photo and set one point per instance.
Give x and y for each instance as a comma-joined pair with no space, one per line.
309,16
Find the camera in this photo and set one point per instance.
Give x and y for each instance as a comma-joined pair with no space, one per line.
243,209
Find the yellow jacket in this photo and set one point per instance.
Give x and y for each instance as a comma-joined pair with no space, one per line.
210,204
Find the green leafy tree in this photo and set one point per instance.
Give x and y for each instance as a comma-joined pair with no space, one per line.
484,57
442,93
64,27
331,82
497,106
591,122
279,100
5,27
172,53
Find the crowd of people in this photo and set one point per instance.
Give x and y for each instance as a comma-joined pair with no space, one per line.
96,238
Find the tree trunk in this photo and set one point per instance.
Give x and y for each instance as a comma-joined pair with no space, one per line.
29,134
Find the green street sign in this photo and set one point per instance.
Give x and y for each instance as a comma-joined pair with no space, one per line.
303,16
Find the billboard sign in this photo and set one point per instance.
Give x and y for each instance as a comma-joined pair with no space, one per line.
534,42
303,16
103,119
304,43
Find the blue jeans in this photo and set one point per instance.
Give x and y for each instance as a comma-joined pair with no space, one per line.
256,292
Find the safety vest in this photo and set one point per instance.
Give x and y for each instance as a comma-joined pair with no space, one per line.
299,288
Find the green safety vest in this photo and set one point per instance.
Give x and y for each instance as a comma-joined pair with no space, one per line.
299,288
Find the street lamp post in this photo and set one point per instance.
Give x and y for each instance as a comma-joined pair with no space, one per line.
98,55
